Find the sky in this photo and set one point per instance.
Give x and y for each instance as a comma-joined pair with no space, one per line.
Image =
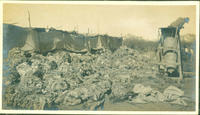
115,20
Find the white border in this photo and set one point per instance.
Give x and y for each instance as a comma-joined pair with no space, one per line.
106,3
1,49
197,56
109,2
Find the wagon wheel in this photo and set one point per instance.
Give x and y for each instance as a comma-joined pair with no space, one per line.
173,74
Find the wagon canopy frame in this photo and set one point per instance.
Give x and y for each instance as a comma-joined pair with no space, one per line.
173,50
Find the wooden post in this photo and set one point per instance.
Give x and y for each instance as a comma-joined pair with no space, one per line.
29,20
180,58
88,31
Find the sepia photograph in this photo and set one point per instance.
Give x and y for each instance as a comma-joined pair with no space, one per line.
100,57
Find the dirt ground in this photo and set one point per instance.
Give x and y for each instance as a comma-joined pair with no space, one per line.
188,87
